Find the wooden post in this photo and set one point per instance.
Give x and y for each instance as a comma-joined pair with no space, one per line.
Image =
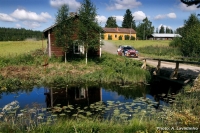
157,70
174,74
51,93
144,64
49,43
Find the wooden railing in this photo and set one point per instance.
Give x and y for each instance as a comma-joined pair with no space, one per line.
174,74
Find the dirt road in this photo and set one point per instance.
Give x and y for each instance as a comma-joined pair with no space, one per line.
183,68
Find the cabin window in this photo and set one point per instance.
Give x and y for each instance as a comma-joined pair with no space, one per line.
80,93
78,47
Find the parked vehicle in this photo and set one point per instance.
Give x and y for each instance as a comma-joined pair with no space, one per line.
129,51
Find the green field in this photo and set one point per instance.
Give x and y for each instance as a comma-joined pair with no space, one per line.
13,48
142,43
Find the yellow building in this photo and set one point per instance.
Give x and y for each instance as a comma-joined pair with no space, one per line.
115,33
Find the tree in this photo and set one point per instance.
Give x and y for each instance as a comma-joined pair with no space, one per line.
156,30
179,31
190,45
191,2
167,30
145,29
89,30
162,29
128,21
64,28
111,22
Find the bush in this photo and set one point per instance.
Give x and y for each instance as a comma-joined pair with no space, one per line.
176,42
132,38
127,37
109,37
120,37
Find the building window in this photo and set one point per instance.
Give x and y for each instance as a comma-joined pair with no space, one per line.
78,47
80,93
115,36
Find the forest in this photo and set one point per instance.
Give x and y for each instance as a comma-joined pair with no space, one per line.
14,34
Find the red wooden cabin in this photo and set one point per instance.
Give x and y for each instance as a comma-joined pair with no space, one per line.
52,49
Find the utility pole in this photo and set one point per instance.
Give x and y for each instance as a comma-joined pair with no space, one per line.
144,33
130,31
100,45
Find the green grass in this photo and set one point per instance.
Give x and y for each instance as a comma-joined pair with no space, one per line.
142,43
12,48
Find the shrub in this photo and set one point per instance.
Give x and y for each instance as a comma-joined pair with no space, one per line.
120,37
109,37
127,37
132,38
176,42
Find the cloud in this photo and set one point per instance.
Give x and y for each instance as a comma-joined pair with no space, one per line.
123,4
139,15
159,16
119,18
31,25
171,15
184,7
22,14
73,4
163,16
6,18
18,26
101,19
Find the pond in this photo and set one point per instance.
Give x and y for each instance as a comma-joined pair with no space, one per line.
85,95
83,101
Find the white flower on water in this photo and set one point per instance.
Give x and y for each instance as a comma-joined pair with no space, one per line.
11,106
1,115
39,117
19,115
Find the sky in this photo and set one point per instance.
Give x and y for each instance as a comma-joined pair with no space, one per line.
40,14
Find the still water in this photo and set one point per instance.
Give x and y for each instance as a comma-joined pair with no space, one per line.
82,95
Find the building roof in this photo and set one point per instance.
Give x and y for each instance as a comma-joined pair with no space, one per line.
165,35
119,30
52,26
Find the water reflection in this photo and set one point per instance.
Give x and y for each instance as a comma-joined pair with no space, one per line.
83,95
73,95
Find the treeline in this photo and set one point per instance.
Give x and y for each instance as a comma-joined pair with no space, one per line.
14,34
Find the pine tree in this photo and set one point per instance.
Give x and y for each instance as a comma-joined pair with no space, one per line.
156,30
162,29
111,22
128,21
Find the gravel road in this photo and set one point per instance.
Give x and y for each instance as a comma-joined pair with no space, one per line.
183,68
109,47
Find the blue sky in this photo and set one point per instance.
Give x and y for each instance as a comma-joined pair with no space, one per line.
40,14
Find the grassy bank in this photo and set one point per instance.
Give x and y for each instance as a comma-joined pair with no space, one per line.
108,69
152,48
